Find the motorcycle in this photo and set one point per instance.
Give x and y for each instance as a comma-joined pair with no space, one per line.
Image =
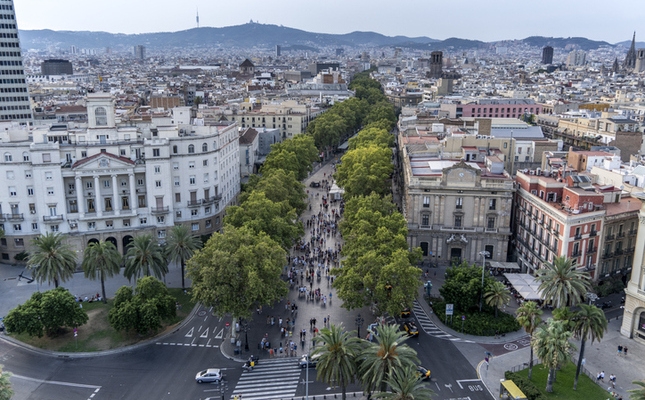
250,364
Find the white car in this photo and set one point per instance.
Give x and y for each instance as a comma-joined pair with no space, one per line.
209,375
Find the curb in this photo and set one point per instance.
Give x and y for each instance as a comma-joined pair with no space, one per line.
68,355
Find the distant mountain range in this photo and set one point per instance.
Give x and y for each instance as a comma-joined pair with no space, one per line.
255,35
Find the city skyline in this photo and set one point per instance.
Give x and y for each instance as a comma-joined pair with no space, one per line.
508,18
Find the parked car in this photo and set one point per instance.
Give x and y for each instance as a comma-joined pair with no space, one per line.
405,313
314,184
411,328
306,362
209,375
423,372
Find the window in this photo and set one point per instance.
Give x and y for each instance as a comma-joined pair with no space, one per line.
177,197
191,149
90,205
54,228
27,174
161,219
492,204
161,234
158,184
195,226
206,177
34,226
122,152
52,211
50,191
48,176
490,250
109,224
124,183
125,202
191,179
194,212
72,206
205,163
155,152
204,147
177,214
17,227
100,115
89,185
47,157
143,221
175,166
139,182
191,165
425,219
426,201
83,153
108,204
8,157
157,169
491,223
19,242
207,210
12,191
126,222
106,183
457,221
208,223
459,204
30,190
174,149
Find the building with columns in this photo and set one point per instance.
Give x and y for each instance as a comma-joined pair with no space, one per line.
111,182
634,313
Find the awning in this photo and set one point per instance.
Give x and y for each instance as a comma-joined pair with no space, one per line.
503,265
526,285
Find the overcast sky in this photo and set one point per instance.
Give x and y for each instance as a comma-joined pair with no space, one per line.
487,20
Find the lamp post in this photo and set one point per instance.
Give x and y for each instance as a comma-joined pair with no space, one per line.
245,326
484,254
359,323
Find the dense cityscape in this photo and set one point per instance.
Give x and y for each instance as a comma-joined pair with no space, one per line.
327,218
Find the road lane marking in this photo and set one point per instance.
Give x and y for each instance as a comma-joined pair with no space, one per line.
190,332
204,334
220,334
60,383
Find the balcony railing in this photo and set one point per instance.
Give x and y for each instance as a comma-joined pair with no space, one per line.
607,255
194,203
592,250
610,237
619,251
160,210
212,199
629,250
15,217
621,234
577,236
576,253
52,218
593,233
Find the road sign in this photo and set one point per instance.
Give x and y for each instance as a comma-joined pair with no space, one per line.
449,309
463,317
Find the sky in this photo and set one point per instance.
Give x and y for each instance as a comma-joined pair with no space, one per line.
486,20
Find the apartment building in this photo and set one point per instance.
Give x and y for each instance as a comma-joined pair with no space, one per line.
634,313
458,207
562,213
110,182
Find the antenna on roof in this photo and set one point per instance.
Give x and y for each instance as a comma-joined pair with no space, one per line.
197,17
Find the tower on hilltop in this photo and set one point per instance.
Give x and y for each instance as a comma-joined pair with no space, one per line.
14,99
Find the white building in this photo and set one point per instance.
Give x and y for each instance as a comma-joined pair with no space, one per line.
108,182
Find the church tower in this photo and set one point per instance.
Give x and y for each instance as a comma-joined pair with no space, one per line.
630,58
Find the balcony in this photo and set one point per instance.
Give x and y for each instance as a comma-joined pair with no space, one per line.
555,233
593,233
194,203
632,232
15,217
621,234
491,230
576,253
610,237
160,210
629,250
619,252
607,255
592,250
211,199
52,218
577,236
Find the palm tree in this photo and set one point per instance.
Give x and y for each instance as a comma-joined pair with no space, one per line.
52,259
551,344
388,353
497,295
101,260
639,392
181,246
144,257
529,317
588,323
337,356
561,283
406,385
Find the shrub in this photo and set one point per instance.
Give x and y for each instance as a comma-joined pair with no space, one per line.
476,323
526,386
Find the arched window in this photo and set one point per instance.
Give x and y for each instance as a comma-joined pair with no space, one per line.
101,116
8,157
191,149
204,147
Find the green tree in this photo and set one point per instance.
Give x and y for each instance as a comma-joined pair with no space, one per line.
283,160
380,358
463,286
278,220
336,357
529,317
639,392
144,258
589,323
405,385
237,271
46,313
497,295
6,392
562,284
101,260
372,136
299,155
328,130
551,345
181,245
278,185
144,310
52,259
365,170
382,110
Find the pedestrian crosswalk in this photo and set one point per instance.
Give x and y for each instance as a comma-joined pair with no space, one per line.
270,379
430,328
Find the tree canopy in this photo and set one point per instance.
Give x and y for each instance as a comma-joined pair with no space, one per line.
562,284
278,185
52,260
143,309
101,260
296,154
365,170
46,313
144,258
237,271
368,136
463,286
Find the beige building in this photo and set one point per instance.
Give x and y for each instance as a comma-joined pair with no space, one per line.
634,314
456,208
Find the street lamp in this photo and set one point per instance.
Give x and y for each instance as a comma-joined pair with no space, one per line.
484,254
359,323
245,326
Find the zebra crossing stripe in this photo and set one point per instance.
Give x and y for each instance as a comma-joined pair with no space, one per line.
270,379
430,327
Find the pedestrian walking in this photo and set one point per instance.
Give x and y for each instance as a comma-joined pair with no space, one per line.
625,350
620,349
612,379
